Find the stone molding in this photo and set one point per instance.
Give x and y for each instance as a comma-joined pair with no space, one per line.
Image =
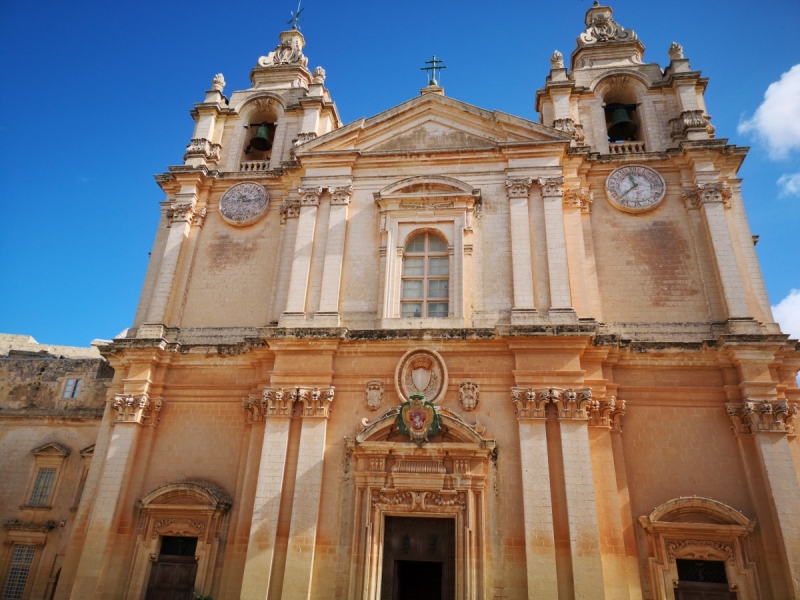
518,188
707,193
203,148
179,527
309,196
135,408
571,404
606,413
418,500
569,126
288,52
303,137
279,402
340,195
752,417
601,27
579,198
690,120
551,186
185,212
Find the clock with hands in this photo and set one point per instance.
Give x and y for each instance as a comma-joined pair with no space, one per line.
634,188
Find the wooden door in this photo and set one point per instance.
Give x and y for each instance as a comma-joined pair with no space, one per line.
172,578
418,559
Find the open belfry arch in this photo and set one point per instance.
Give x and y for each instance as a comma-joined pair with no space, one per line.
441,352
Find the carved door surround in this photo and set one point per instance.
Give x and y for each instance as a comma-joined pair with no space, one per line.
444,478
442,205
191,509
700,529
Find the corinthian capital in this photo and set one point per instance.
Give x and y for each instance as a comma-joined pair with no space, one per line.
340,194
316,402
571,404
708,193
551,186
579,198
606,413
755,417
309,196
134,408
518,188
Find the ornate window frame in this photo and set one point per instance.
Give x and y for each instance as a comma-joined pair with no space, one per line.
700,529
191,509
439,479
436,204
46,456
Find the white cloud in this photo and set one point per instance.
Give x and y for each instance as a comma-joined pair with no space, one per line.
787,314
777,121
790,185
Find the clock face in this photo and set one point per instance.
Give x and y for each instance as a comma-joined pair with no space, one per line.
634,188
244,203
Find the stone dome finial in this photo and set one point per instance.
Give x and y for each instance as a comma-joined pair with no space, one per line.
557,60
675,51
218,83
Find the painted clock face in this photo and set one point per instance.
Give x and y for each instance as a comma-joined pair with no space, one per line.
634,188
244,203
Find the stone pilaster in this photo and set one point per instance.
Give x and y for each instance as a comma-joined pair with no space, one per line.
274,408
328,313
301,260
770,422
127,413
540,550
713,199
523,309
558,269
316,405
577,202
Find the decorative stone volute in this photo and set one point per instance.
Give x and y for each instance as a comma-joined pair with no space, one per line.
289,209
340,194
309,196
316,402
575,130
606,413
691,121
707,193
288,52
134,408
571,404
601,27
518,188
551,186
757,417
579,198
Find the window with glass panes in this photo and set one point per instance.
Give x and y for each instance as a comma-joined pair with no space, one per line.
72,388
41,487
17,574
426,277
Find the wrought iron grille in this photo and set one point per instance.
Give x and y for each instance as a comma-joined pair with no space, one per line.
708,571
178,546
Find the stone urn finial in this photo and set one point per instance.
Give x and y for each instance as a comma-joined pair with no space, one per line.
557,60
218,83
675,51
319,75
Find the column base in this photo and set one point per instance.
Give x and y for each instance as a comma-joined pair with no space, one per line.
563,315
743,326
524,316
293,319
325,319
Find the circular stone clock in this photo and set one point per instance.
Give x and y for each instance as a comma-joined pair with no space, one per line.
634,188
244,203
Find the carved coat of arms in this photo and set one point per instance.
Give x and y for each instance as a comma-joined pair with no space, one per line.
374,394
468,395
418,419
421,372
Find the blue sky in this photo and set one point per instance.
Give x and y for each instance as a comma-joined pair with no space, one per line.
98,97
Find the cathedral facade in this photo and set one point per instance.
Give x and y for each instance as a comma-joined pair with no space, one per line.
441,352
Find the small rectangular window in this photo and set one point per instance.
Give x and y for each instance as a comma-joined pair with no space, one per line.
439,266
18,569
41,487
412,288
438,288
72,388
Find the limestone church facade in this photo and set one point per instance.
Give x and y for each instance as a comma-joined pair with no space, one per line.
442,352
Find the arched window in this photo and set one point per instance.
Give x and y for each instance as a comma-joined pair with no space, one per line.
426,277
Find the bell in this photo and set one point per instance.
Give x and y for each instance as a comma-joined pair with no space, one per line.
260,141
622,128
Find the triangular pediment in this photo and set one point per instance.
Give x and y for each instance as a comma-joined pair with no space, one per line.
51,449
432,123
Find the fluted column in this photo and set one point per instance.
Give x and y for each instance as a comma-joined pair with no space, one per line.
127,412
713,199
540,552
557,266
328,313
301,260
274,408
307,491
523,309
